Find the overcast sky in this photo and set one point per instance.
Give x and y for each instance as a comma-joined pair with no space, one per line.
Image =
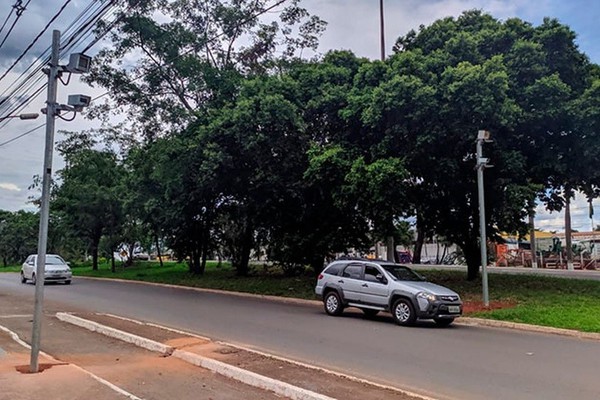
353,25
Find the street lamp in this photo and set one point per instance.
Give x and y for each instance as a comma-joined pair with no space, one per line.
21,116
482,136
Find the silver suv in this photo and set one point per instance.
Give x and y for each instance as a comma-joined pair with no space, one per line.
375,285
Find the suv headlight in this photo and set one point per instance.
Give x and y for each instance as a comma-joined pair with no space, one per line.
427,296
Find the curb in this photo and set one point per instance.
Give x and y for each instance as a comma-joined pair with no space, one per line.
527,328
288,300
279,358
139,341
250,378
238,374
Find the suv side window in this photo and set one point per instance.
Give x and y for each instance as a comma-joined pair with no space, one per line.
334,269
371,273
353,271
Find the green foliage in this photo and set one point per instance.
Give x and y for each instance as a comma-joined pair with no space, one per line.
18,236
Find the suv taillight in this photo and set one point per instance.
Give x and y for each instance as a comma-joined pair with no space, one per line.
320,276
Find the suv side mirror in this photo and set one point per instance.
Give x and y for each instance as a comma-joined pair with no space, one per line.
381,278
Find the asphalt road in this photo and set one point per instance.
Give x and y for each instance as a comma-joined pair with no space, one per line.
460,362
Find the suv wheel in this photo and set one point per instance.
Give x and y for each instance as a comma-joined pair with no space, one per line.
443,321
404,312
333,304
23,279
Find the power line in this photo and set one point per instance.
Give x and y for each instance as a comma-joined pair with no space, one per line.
20,9
80,33
36,39
22,135
12,9
276,4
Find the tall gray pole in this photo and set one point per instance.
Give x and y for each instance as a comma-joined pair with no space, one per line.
481,164
53,72
382,30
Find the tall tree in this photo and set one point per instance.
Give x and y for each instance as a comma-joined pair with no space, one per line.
88,197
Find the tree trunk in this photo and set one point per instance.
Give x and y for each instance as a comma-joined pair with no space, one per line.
158,250
473,258
419,242
95,254
243,266
195,267
391,249
568,242
316,263
112,262
205,235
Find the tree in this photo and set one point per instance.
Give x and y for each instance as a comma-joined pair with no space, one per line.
473,73
88,197
18,235
197,58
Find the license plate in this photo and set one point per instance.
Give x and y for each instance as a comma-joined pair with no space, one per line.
454,309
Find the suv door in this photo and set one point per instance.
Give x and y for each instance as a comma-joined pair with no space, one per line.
351,282
374,291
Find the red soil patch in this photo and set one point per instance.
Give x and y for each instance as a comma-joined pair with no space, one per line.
470,307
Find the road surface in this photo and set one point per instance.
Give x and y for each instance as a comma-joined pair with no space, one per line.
460,362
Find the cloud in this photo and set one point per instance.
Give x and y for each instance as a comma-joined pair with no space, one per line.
9,186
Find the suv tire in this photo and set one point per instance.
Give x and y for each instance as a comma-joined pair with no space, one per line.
443,321
23,279
333,303
404,312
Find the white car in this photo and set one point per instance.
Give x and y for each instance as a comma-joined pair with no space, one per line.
56,270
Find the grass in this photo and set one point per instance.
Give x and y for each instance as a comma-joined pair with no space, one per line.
260,282
10,268
538,300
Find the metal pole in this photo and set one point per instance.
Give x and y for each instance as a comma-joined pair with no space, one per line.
532,242
482,235
53,72
382,29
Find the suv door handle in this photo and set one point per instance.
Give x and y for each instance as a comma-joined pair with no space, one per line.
365,285
341,281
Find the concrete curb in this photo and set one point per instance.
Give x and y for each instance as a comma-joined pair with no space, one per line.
117,334
274,357
250,378
288,300
527,328
238,374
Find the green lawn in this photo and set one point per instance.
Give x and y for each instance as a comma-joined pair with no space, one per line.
538,300
10,268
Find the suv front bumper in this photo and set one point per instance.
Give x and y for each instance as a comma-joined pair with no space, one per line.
439,309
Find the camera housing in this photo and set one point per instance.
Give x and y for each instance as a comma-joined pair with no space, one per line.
79,63
79,101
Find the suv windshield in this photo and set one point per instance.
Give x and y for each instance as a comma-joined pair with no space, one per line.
403,273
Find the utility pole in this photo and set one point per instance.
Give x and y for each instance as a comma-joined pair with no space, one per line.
382,30
568,230
53,72
532,244
482,136
390,245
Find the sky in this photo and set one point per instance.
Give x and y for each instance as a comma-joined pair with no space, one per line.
352,25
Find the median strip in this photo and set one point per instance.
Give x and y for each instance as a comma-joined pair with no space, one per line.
250,378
